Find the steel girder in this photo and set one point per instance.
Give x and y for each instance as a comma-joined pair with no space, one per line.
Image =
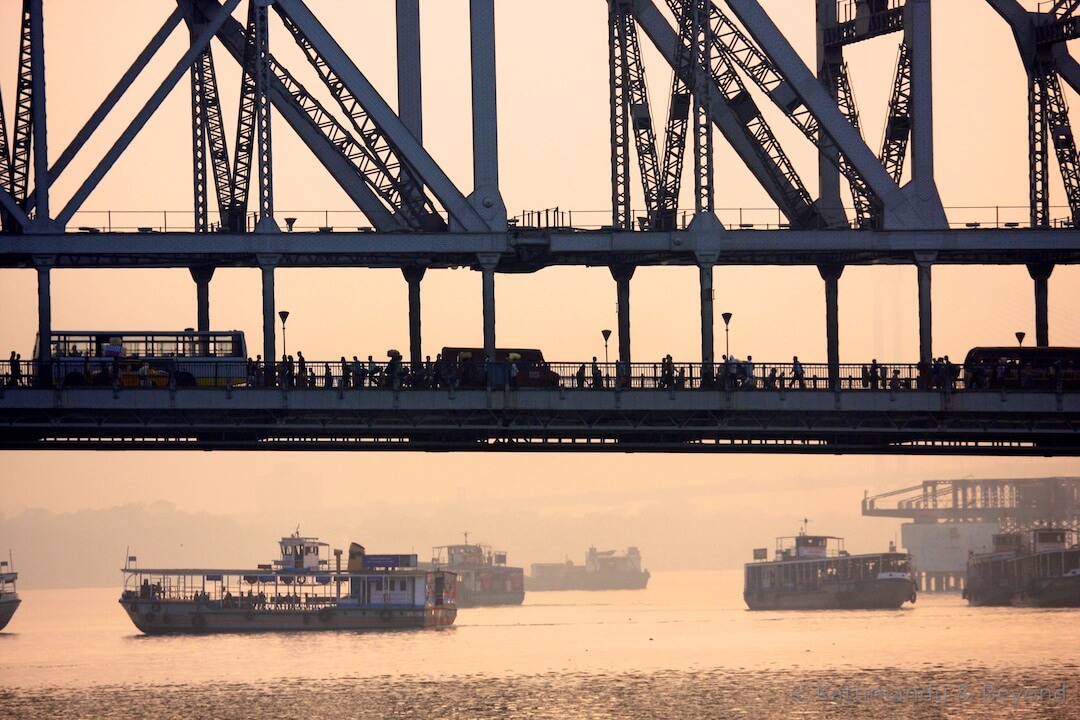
633,97
898,123
558,420
397,136
736,117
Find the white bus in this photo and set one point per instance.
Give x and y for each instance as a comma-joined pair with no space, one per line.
136,358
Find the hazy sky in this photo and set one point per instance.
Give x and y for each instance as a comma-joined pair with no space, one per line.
553,107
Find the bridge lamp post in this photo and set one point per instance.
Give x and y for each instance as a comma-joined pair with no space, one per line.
284,315
727,343
1020,335
606,333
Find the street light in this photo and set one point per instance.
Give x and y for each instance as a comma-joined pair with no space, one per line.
606,334
727,345
284,315
1020,335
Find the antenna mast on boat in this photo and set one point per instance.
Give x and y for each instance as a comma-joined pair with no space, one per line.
805,522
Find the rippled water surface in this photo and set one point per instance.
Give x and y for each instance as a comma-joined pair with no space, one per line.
684,648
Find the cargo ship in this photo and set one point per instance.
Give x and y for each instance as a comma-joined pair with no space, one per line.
1038,569
9,599
814,572
483,577
603,570
299,591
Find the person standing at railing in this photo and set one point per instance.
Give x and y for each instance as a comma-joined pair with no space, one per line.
597,376
301,366
797,373
16,369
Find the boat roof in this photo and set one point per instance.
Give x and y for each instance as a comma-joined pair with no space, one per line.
826,559
289,573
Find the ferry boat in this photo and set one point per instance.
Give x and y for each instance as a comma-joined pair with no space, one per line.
1038,569
483,577
814,572
603,570
9,599
300,591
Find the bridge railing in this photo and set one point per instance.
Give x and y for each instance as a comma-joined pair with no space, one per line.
665,375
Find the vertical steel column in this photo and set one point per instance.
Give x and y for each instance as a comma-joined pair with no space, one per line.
924,263
202,276
917,38
706,262
1040,273
831,275
266,222
488,262
828,60
41,143
622,275
620,154
413,275
44,358
410,99
267,265
486,197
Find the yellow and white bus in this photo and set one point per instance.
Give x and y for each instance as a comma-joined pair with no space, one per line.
134,358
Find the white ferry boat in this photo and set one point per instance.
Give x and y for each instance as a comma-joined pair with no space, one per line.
9,599
300,591
814,572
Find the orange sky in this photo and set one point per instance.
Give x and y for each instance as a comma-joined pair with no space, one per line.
554,152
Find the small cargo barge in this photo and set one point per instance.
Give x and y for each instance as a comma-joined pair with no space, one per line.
300,591
483,577
814,572
1038,569
603,570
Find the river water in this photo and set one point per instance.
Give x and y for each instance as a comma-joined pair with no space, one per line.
684,648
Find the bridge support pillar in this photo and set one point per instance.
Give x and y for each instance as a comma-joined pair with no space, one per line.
413,275
831,275
706,263
267,265
488,262
44,368
202,276
622,275
1040,273
924,262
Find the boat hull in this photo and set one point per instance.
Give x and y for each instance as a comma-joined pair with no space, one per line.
1050,592
7,609
470,598
886,594
160,617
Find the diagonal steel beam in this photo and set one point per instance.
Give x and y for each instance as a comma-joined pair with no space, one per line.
331,144
148,109
380,112
899,212
769,175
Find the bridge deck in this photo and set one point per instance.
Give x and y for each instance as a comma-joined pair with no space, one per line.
1043,423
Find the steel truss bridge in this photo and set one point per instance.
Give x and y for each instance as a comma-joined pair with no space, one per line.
726,61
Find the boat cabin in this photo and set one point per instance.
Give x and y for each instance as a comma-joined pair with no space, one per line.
1007,542
809,547
7,581
302,554
466,556
1047,539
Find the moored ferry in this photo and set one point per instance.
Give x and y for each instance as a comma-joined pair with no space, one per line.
1038,569
9,599
483,577
814,572
300,591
